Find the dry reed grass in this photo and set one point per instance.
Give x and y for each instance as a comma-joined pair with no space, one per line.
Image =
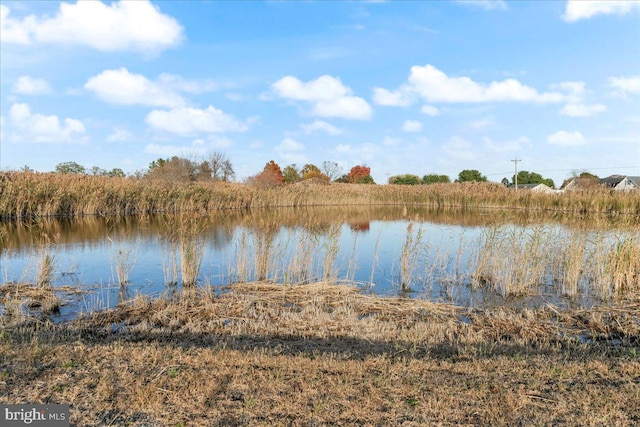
325,354
29,195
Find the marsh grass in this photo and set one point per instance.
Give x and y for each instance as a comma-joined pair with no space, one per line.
323,354
191,248
124,259
38,195
411,256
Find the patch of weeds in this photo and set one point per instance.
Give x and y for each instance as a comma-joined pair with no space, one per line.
412,402
70,364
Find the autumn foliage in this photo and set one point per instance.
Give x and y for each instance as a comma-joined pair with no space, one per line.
271,176
360,175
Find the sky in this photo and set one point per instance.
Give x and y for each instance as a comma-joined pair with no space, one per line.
404,87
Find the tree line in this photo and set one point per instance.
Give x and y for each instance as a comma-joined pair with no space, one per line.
216,166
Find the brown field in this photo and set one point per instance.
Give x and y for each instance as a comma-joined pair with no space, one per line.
325,354
28,195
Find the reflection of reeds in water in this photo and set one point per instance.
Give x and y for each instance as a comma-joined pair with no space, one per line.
411,254
124,259
301,266
191,248
331,247
512,260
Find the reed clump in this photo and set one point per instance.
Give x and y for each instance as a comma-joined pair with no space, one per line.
31,195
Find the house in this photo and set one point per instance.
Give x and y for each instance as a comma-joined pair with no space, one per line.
621,182
538,188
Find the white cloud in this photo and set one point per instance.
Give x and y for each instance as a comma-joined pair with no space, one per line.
389,141
198,148
189,121
580,9
31,127
626,85
411,126
122,87
121,26
485,4
399,98
290,151
26,85
459,148
435,86
119,135
343,148
321,126
565,138
327,94
430,110
582,110
180,84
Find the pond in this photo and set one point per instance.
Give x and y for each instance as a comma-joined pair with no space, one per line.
468,258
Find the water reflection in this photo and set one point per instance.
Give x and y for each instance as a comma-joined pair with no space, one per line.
472,258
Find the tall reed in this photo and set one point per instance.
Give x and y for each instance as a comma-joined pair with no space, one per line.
30,195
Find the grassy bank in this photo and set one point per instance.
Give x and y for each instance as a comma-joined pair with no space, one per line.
26,195
323,354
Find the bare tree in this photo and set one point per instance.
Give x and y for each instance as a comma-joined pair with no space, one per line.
221,167
331,169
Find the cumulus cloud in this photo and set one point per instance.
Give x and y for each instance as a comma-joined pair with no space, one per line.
459,148
327,95
123,87
198,148
119,135
411,126
31,127
430,110
582,110
26,85
190,121
565,138
580,9
398,98
321,126
626,85
434,86
121,26
290,151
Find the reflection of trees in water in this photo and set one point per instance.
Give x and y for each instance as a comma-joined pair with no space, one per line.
90,231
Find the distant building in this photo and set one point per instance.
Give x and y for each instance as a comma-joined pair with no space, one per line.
622,183
538,188
613,182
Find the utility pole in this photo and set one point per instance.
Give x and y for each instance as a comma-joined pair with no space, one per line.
516,160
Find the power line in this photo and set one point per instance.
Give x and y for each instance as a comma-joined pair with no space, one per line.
569,170
515,161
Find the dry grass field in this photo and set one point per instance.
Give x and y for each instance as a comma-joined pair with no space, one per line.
325,354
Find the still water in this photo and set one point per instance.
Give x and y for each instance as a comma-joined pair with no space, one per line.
418,253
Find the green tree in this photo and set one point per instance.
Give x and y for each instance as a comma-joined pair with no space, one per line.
526,177
434,178
471,175
291,174
117,173
70,167
406,179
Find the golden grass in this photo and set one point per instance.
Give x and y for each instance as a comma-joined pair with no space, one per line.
28,195
260,354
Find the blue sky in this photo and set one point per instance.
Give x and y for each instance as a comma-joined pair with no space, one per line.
402,86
